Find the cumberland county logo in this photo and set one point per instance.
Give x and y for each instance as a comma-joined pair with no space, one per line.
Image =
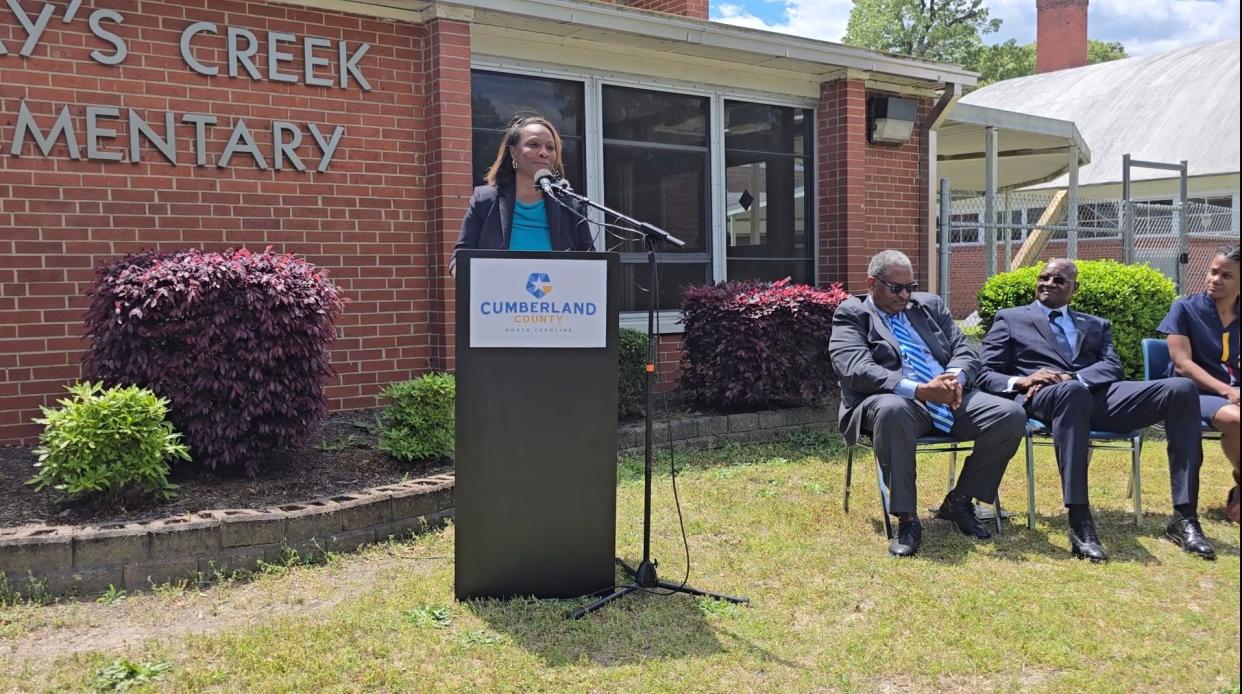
539,285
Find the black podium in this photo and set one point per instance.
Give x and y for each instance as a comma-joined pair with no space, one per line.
535,497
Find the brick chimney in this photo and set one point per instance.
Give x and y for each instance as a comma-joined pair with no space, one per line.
1061,34
694,9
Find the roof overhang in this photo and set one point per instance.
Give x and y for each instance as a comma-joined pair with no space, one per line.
1030,149
606,22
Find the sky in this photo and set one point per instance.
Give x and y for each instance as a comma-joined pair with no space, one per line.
1142,26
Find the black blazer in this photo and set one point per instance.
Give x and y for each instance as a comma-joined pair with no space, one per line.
1020,343
867,359
489,222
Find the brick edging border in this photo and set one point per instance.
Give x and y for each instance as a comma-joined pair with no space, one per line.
84,560
707,430
135,556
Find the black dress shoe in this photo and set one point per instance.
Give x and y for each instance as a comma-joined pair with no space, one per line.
1084,543
1188,534
909,537
960,509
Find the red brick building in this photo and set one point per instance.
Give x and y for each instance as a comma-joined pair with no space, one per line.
352,131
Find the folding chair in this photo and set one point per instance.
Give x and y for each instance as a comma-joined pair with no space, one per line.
931,443
1131,441
1156,365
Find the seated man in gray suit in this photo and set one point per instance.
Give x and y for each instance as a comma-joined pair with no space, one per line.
1062,366
906,370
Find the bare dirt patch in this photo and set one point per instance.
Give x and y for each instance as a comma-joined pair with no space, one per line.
72,627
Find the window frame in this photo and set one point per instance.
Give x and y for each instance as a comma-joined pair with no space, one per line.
593,141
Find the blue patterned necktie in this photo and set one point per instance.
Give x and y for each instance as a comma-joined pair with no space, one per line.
942,416
1058,333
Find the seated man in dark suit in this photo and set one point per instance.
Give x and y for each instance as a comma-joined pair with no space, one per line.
906,370
1062,366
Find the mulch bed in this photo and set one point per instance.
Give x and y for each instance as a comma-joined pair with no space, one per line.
344,458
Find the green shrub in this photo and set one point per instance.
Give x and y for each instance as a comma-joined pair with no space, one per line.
1134,297
631,363
107,442
418,423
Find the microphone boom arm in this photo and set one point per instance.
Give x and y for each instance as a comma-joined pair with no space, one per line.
650,230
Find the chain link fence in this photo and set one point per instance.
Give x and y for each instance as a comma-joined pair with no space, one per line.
1097,233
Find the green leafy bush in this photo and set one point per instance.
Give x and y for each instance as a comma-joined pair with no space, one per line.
418,423
1134,297
631,360
107,442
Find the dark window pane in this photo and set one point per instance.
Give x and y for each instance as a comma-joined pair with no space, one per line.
495,98
483,152
486,143
766,206
661,187
771,270
657,117
764,128
674,278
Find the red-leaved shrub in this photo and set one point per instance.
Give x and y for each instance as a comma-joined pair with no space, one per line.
236,341
752,345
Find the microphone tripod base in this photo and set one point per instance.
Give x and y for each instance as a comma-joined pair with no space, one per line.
645,579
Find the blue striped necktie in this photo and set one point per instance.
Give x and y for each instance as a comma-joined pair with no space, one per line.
942,416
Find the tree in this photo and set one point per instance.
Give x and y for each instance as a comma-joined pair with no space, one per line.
943,30
1009,60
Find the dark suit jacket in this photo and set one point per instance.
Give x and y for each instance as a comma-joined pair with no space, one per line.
489,221
1020,343
867,358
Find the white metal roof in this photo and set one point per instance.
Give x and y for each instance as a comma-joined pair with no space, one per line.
1183,104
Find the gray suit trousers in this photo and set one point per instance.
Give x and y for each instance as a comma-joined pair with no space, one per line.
995,424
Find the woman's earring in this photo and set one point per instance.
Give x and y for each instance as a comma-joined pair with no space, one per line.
514,162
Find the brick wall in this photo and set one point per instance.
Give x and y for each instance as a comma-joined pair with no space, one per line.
364,218
871,197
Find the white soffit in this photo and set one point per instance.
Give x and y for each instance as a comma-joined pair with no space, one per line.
1030,149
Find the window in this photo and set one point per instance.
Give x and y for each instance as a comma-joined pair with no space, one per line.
766,206
656,169
732,178
1211,215
1098,220
495,98
964,229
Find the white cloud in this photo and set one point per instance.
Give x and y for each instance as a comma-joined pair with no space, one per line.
824,20
1142,26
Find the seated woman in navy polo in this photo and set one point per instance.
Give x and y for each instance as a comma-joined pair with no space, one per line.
1203,346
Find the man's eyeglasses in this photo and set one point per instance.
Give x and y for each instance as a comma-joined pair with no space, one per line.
1055,279
898,288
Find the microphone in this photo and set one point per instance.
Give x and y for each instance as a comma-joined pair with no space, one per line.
546,181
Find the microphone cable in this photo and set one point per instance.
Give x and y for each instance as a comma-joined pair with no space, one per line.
653,342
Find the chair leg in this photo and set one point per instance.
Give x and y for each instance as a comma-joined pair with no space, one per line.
1136,480
996,507
849,472
879,480
1030,482
952,469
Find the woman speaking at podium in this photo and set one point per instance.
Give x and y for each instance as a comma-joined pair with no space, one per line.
511,212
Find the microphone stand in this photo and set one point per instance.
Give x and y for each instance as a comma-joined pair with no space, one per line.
645,577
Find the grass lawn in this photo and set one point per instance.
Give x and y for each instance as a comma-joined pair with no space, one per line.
831,611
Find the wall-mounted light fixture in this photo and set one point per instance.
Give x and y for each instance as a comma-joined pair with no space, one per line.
890,120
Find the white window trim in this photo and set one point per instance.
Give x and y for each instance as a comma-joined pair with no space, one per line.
593,140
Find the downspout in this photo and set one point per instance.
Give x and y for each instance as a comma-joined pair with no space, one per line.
944,106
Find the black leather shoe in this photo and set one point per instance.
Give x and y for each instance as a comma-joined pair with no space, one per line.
1188,534
960,509
1084,543
909,537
